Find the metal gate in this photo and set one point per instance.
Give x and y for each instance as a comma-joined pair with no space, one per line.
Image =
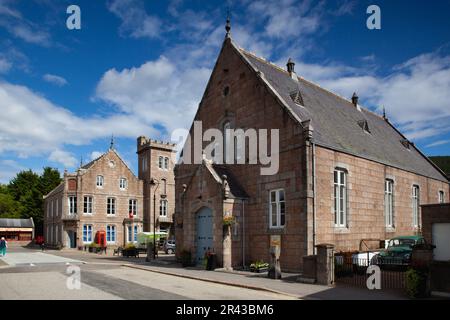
350,271
204,233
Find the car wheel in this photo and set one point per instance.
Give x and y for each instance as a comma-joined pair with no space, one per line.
169,251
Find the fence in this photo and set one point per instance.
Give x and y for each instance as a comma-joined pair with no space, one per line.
352,271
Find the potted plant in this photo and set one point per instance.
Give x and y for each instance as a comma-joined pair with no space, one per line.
228,221
93,247
129,250
259,266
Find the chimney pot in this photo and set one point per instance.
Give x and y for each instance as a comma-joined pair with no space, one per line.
355,99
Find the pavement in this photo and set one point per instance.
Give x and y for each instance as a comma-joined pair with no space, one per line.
287,286
34,275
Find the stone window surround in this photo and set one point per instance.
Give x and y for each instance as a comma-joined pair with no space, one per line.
102,179
414,225
87,233
343,228
123,186
390,227
135,214
113,206
111,233
69,197
277,227
92,204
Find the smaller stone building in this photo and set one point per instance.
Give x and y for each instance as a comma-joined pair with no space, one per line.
17,229
103,195
156,169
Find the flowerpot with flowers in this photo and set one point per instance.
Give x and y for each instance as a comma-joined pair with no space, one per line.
259,266
228,221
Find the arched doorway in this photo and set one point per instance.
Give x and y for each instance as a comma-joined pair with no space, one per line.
204,240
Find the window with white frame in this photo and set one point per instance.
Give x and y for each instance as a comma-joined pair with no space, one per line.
111,206
340,198
87,207
100,181
72,205
163,206
389,203
111,233
277,208
441,196
123,183
87,233
130,234
132,207
415,205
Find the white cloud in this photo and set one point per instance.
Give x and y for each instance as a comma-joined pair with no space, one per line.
95,154
32,125
63,157
54,79
136,23
22,28
438,143
158,92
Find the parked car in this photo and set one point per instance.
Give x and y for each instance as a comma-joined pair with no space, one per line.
398,251
169,246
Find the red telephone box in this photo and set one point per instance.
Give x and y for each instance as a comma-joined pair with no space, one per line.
100,238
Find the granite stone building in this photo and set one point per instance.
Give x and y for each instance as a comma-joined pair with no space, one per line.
103,195
156,170
345,173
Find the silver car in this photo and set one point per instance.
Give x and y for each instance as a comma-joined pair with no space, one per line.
169,246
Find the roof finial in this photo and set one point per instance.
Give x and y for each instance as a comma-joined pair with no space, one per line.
228,25
81,161
112,142
384,113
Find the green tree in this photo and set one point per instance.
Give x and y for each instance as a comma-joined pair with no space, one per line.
28,189
49,180
9,208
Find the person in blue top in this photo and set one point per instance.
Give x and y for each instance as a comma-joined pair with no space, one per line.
3,246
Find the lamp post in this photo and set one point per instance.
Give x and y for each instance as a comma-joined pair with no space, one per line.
154,182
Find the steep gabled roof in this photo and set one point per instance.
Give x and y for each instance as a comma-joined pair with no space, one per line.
93,162
337,122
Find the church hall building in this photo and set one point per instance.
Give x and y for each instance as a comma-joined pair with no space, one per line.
345,173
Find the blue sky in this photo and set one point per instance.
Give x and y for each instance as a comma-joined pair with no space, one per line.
140,67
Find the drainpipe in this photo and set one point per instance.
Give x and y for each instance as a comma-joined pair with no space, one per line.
243,234
314,194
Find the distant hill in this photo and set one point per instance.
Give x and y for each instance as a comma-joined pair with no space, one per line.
442,162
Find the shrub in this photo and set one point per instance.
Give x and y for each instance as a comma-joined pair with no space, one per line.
94,245
415,283
130,246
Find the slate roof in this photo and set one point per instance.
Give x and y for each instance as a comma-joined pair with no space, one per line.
16,223
335,122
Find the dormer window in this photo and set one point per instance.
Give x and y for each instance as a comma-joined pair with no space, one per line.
364,125
405,143
296,96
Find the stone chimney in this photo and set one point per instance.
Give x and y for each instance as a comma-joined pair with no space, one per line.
355,99
290,68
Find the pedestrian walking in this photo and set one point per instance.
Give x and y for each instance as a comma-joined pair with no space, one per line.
3,246
43,246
